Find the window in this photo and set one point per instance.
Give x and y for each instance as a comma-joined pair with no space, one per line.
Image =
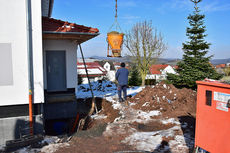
6,67
208,97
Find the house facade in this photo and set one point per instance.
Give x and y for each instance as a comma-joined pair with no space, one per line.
95,71
110,69
220,68
159,72
14,79
38,55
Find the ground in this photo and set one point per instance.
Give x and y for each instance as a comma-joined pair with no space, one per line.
158,118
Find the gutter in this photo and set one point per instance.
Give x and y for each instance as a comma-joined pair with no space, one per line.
74,33
51,2
30,63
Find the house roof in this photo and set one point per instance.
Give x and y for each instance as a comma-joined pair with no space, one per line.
156,69
221,66
47,7
93,68
175,66
58,29
117,65
102,63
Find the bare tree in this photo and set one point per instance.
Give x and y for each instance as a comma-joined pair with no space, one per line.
145,45
227,71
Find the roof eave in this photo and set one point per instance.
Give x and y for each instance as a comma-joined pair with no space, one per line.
76,33
51,2
80,37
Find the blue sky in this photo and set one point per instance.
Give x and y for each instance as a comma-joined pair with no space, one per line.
167,16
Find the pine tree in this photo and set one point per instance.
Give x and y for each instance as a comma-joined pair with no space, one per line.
195,65
135,79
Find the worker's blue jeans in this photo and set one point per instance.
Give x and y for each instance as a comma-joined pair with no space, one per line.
120,89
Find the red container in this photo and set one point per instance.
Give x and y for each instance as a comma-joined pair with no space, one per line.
213,117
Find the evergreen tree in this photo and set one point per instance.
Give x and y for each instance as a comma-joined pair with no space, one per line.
195,65
135,79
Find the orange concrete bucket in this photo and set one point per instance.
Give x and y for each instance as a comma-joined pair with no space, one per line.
115,40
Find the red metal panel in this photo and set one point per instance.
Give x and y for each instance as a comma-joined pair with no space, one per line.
213,122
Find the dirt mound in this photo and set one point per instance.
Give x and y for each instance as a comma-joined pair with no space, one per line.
151,126
107,110
172,102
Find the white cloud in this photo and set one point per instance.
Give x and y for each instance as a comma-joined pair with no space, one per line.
215,6
173,52
179,5
129,19
183,5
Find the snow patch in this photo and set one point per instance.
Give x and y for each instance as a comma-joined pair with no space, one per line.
171,120
148,141
98,116
146,104
144,140
143,117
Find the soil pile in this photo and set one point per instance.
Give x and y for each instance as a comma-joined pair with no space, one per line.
172,102
107,110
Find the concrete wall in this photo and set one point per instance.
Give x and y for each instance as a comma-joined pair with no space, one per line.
71,59
13,30
12,128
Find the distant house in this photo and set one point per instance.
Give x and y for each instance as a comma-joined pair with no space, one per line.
95,71
38,55
109,67
220,68
117,65
159,72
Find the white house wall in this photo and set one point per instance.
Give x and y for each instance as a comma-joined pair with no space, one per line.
155,76
71,59
13,31
37,52
168,69
163,75
111,75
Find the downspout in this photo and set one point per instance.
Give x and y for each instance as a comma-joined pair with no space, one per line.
30,63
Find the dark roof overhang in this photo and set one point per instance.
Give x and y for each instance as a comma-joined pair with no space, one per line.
79,37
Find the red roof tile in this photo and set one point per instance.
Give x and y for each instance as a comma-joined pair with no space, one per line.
54,25
221,66
176,67
90,64
156,69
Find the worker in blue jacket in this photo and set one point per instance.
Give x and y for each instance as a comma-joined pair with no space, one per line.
122,78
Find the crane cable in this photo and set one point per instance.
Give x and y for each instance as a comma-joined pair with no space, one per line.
116,22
